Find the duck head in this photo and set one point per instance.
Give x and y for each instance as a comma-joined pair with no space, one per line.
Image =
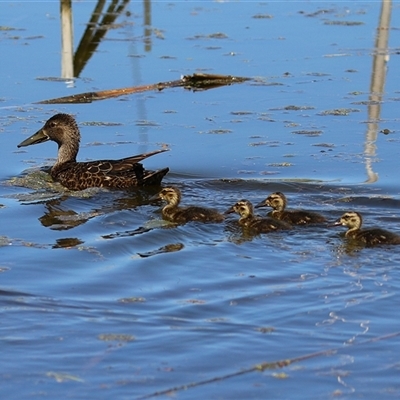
351,219
275,200
243,207
61,128
171,195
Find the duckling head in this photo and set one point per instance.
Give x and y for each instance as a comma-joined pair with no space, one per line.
351,219
243,207
275,200
171,195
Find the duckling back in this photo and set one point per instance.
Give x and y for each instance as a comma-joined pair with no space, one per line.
267,224
298,217
375,236
193,213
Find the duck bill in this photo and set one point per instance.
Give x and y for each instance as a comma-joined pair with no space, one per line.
155,197
38,137
262,204
336,223
229,211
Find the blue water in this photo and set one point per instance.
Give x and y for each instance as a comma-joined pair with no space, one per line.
92,308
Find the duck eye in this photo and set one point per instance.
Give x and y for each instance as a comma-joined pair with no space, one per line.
52,124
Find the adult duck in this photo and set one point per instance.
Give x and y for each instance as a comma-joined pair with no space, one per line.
119,174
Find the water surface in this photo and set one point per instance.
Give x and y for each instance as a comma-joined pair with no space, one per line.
100,298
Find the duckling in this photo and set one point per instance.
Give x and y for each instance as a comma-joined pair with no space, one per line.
370,237
119,174
278,203
173,213
260,225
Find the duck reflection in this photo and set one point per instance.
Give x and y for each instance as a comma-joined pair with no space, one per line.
62,213
67,243
169,248
350,248
59,218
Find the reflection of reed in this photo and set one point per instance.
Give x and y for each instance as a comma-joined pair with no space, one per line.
377,87
67,39
95,31
97,27
147,25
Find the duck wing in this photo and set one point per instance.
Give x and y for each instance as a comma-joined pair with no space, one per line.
265,225
300,217
376,236
123,164
123,173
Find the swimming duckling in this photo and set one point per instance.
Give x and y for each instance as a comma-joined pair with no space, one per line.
120,174
172,212
260,225
371,236
278,203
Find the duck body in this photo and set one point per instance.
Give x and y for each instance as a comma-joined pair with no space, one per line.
278,203
174,213
297,217
259,225
120,174
369,237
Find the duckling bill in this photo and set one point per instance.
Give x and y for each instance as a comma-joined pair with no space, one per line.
278,202
120,174
369,237
174,213
259,225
